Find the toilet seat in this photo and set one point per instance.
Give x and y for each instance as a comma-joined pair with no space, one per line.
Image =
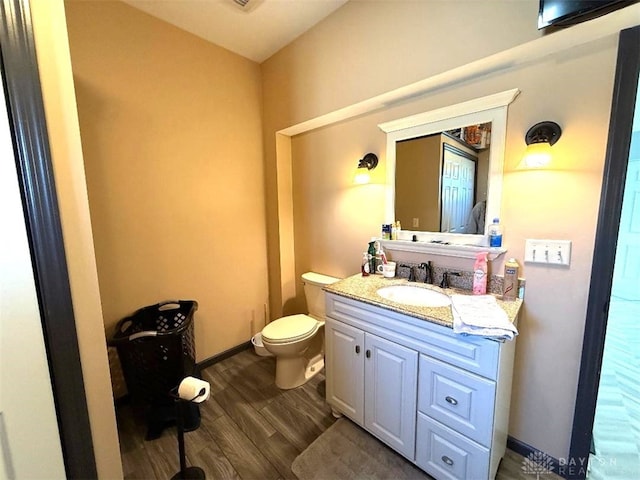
290,329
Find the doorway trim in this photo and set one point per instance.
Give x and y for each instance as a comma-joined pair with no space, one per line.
615,170
33,157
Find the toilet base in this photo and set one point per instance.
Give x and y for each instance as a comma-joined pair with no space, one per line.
291,372
314,366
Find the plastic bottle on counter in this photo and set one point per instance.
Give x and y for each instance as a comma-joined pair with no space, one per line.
480,274
365,264
381,258
510,282
495,233
371,256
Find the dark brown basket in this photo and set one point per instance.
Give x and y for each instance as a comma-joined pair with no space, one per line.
157,350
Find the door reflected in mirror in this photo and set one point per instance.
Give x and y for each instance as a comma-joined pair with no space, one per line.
441,180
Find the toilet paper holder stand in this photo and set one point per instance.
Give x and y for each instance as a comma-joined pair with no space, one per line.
190,473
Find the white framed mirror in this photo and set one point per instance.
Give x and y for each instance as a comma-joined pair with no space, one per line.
491,110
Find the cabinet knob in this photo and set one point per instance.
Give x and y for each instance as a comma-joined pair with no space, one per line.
447,460
368,353
451,400
357,348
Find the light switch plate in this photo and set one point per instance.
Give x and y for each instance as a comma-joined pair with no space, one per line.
549,252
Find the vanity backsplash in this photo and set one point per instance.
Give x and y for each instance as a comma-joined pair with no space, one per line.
457,278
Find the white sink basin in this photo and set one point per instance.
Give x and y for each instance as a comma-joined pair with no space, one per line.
416,296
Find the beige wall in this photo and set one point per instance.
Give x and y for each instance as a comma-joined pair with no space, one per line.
54,64
369,47
333,220
365,49
171,135
418,170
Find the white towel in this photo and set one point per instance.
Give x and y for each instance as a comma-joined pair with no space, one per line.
481,315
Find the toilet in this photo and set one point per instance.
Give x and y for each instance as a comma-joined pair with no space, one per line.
297,341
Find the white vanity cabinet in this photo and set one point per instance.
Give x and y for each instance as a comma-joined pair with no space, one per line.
374,382
439,399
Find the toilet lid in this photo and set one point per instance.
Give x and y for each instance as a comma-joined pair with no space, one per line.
290,329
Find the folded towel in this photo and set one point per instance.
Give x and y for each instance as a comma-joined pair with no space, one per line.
481,315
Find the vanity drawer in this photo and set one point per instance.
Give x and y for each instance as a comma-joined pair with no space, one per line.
456,398
446,454
475,354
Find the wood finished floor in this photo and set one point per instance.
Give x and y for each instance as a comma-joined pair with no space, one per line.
249,430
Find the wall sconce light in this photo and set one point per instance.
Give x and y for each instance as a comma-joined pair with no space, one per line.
539,139
365,164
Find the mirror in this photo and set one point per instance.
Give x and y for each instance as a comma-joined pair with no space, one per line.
441,180
491,110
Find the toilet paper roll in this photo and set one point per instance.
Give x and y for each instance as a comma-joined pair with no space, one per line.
194,390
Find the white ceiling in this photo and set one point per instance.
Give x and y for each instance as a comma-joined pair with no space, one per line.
258,33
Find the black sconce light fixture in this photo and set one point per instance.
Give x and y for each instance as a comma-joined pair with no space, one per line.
539,139
365,164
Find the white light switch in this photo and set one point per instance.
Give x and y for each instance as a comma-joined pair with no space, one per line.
550,252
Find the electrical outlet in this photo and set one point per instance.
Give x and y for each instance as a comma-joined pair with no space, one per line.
550,252
416,222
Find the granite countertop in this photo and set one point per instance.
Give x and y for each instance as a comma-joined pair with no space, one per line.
364,289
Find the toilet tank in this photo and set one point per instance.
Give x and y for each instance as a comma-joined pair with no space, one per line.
313,284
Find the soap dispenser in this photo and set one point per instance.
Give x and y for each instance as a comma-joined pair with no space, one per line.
365,264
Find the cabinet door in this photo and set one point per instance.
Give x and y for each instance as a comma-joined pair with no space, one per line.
390,393
345,369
